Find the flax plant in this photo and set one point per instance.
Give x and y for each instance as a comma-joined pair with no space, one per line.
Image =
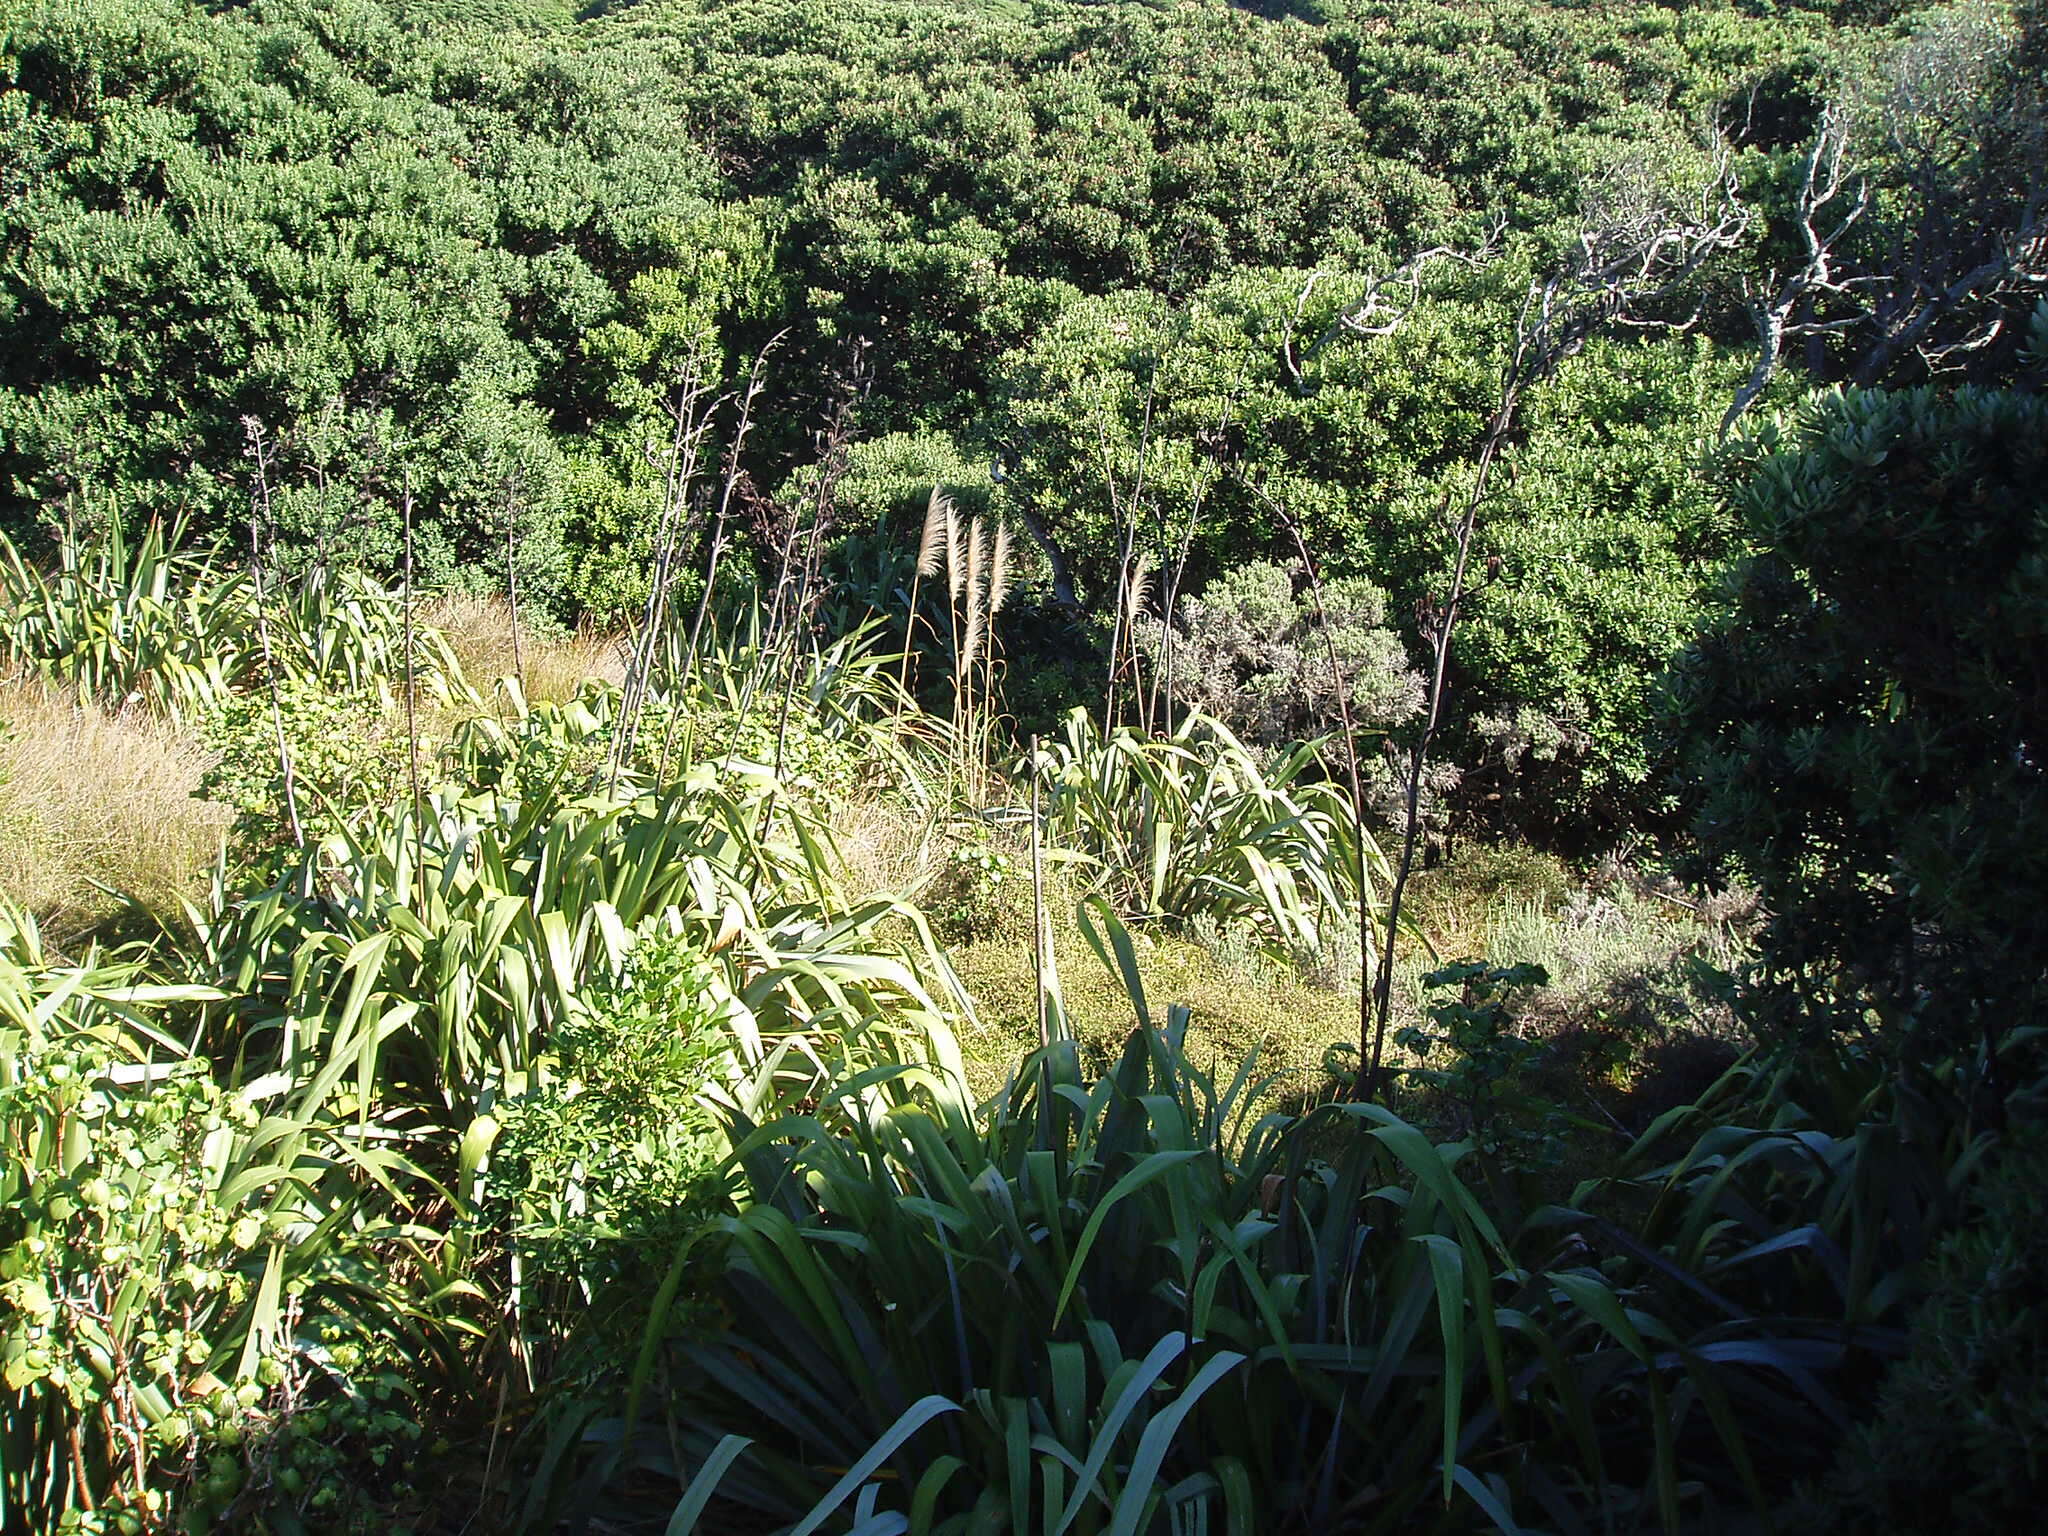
692,413
1151,1303
1192,824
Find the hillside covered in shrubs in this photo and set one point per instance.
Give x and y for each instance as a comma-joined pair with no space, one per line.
1121,768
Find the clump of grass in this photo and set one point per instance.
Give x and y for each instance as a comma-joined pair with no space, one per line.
1617,944
887,844
92,801
1603,949
551,664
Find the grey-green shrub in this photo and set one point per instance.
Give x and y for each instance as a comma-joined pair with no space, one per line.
1261,650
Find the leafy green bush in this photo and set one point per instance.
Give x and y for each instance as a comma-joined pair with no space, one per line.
1487,1057
1960,1437
174,1260
975,895
1600,549
1863,726
1272,662
459,264
603,1155
345,758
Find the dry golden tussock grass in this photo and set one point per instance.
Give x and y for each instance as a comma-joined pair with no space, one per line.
479,630
87,796
886,846
1235,1010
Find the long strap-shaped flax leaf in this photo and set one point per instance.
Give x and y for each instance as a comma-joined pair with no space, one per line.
142,619
1193,823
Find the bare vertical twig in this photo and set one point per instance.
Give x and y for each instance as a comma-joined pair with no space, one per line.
1038,928
691,421
258,451
512,509
756,378
1123,511
412,722
834,442
1366,967
1639,256
1174,575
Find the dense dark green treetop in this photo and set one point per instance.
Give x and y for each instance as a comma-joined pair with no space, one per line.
1867,723
472,238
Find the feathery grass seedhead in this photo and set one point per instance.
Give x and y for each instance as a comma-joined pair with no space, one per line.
1139,594
956,562
977,594
1001,575
931,543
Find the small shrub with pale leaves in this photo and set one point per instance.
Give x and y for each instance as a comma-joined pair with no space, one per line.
1256,651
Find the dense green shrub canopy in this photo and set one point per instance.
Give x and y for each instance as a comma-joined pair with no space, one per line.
1082,263
1866,726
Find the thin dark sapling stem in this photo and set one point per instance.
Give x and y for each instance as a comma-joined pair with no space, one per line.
1364,1085
719,522
258,451
512,508
412,720
1638,253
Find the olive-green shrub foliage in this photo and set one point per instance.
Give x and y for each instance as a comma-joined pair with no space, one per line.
952,173
168,1248
1510,103
888,479
463,247
604,1156
1960,1437
1862,730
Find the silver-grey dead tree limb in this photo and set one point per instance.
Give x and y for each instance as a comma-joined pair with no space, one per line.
1920,224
